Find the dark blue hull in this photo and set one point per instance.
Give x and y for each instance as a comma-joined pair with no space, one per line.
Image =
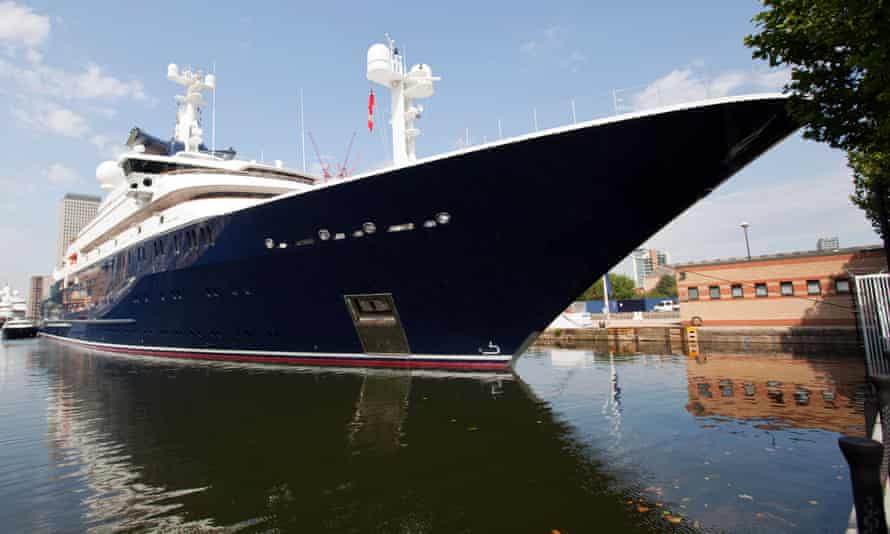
19,333
529,230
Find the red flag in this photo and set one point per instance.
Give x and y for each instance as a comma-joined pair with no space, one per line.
371,111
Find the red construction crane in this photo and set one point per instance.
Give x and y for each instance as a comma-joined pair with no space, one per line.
325,168
343,170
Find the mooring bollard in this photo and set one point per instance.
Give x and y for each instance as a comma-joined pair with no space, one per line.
864,458
882,388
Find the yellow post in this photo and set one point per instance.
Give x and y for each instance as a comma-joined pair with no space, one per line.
692,342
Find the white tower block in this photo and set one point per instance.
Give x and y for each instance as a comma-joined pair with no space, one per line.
387,67
188,130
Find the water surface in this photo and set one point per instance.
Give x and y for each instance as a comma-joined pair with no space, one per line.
573,441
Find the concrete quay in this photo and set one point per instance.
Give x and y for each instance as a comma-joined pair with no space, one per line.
651,334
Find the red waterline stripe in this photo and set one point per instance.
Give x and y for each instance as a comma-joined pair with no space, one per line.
296,360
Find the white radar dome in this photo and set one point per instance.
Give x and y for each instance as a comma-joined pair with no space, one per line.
109,174
380,67
172,70
420,81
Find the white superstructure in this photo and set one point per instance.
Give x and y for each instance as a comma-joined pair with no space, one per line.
12,304
160,185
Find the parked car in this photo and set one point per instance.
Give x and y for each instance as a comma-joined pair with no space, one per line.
666,306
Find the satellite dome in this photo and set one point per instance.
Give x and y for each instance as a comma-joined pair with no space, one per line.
109,174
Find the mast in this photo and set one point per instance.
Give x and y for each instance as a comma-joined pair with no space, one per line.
188,122
386,66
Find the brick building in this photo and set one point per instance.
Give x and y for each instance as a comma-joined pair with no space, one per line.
812,288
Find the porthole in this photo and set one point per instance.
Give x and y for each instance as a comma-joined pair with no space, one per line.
443,217
358,233
147,182
369,228
324,235
401,227
270,243
282,245
305,242
429,224
339,235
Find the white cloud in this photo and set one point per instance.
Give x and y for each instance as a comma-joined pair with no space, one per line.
20,26
107,147
44,116
529,48
93,84
552,43
61,175
690,84
40,79
573,60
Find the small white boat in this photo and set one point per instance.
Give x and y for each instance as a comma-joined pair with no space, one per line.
18,329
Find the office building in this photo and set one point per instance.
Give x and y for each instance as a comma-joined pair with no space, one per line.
645,261
37,293
828,243
74,213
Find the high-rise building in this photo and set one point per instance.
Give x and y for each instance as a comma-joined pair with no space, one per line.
38,292
646,260
828,243
74,213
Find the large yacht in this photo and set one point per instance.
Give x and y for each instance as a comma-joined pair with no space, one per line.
12,305
458,260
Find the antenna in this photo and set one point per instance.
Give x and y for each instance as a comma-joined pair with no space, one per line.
213,116
302,132
324,166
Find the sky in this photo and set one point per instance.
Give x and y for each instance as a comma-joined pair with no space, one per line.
75,77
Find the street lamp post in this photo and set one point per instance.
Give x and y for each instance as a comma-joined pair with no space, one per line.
745,226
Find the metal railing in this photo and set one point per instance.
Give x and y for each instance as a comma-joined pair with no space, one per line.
873,309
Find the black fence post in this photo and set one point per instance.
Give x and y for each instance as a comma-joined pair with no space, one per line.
864,458
882,388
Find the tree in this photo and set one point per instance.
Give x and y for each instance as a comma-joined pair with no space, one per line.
839,54
622,288
666,287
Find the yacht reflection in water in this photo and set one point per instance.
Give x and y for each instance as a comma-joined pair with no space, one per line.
163,445
783,391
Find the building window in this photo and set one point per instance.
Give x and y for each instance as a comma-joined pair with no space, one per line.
693,293
787,289
760,290
814,287
737,291
842,286
714,292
